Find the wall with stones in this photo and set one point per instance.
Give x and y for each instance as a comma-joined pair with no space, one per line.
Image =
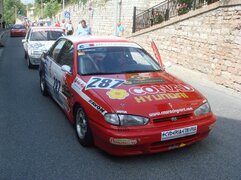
100,14
207,40
152,3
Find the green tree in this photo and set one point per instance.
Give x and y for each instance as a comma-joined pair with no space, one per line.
51,8
11,6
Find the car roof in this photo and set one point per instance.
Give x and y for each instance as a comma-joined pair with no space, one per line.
93,39
45,27
18,25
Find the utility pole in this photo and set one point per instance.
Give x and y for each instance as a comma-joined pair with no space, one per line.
116,16
41,8
63,8
15,12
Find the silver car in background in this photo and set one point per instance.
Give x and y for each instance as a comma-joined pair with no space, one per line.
39,40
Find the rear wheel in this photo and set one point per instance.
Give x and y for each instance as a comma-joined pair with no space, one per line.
43,87
25,55
82,128
29,64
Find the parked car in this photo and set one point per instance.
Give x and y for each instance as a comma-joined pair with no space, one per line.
18,30
120,98
38,40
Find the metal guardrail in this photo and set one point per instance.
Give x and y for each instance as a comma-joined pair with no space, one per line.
164,11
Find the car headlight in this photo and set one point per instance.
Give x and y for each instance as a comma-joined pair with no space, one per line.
203,109
126,120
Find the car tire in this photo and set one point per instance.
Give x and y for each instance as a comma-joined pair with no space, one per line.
29,64
25,55
43,87
82,127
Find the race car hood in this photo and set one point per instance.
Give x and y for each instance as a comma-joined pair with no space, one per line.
145,94
40,45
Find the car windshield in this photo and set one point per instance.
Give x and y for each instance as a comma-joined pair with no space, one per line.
115,60
45,35
18,26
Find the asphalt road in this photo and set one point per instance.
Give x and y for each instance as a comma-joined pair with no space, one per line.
37,141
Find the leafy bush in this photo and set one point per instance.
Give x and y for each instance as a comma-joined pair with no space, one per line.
184,6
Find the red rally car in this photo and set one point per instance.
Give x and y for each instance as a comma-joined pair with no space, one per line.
122,99
18,30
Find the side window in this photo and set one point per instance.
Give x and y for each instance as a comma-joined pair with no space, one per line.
56,49
66,56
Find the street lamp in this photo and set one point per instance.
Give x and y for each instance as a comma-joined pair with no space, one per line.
41,8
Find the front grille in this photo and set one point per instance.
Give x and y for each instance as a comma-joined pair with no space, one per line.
183,116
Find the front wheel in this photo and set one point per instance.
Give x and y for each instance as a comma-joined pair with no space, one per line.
25,55
82,128
43,87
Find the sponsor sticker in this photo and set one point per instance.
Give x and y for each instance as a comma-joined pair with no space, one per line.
123,142
121,112
172,111
117,94
143,80
160,97
81,53
108,44
157,89
78,84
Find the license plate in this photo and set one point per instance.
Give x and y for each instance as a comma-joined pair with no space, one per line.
178,133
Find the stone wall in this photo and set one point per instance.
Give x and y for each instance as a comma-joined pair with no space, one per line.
207,40
100,14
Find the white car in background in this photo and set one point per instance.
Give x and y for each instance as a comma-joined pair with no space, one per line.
39,40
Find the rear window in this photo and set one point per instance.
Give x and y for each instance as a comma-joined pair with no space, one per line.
19,26
45,35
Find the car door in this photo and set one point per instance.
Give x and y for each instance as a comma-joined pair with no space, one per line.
50,61
26,41
60,78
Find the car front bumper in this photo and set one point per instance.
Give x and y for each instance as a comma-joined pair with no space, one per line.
145,141
35,60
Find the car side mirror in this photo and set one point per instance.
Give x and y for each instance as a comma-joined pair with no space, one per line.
66,69
45,54
24,41
167,65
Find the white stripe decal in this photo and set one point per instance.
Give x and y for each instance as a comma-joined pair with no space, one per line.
78,86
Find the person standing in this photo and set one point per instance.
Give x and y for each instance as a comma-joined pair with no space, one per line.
69,28
83,29
57,24
4,24
63,25
120,30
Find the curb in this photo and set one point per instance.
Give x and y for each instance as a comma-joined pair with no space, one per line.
1,35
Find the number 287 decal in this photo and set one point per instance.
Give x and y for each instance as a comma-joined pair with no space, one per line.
103,83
